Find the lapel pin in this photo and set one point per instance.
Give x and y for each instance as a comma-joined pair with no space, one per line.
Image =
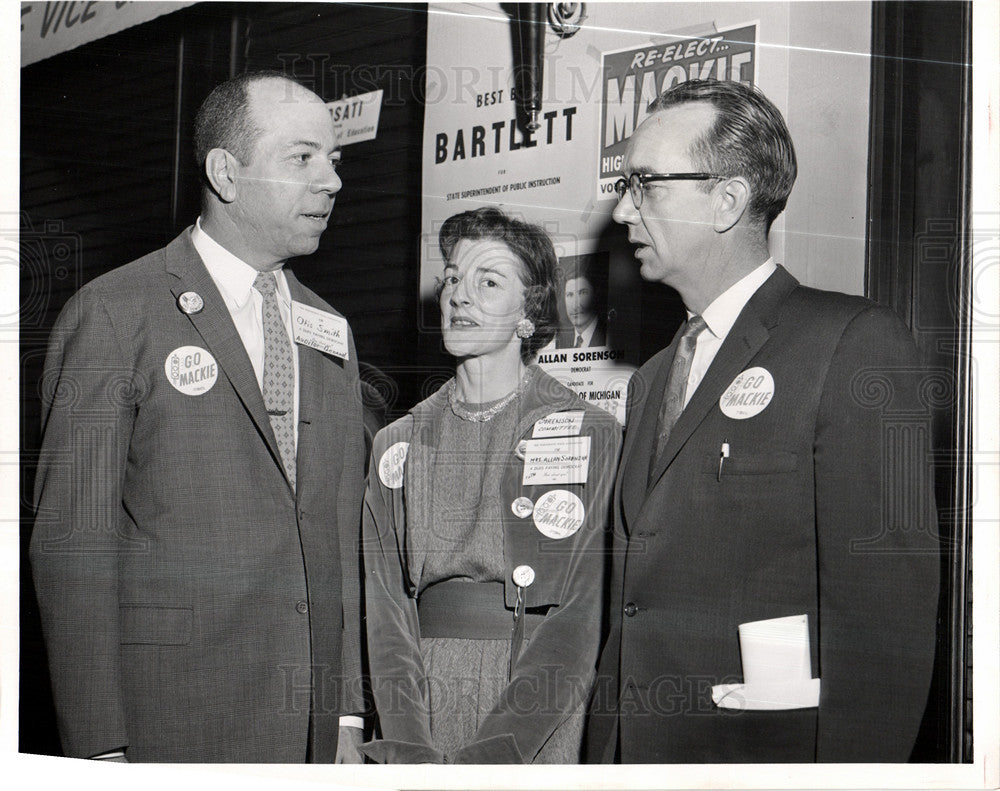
190,302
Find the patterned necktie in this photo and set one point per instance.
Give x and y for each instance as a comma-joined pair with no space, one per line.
579,342
676,390
279,374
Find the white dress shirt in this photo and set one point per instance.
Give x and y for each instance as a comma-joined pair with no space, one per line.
719,318
586,333
234,279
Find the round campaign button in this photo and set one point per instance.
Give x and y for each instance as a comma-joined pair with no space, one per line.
748,394
390,466
519,451
191,302
522,506
558,513
523,576
191,370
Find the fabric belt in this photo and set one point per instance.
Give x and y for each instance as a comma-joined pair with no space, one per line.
469,610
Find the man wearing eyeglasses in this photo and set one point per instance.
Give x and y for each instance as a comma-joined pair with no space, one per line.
775,566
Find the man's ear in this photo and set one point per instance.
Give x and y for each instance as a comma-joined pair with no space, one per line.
221,170
731,201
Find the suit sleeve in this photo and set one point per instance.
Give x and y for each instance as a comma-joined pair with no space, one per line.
878,563
399,680
349,521
87,416
554,674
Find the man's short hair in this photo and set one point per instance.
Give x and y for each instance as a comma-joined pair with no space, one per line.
531,245
224,119
587,266
749,138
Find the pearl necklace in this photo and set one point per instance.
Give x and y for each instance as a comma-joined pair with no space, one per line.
484,415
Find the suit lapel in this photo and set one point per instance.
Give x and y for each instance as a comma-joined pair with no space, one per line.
310,405
315,376
745,339
646,395
418,478
216,328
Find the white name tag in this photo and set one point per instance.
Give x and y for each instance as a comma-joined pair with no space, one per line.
556,461
319,330
559,424
356,118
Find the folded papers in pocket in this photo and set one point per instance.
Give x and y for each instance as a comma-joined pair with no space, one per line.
777,671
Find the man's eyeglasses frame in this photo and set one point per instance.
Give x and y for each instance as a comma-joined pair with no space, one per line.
636,181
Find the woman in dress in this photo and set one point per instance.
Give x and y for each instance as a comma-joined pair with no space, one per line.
486,519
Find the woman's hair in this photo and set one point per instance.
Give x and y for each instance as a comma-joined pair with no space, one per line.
531,246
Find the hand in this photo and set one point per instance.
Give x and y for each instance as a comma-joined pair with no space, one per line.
348,743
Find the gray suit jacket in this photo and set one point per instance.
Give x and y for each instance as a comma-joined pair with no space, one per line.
194,606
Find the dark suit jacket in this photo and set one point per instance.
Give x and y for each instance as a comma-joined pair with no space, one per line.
825,507
194,607
566,338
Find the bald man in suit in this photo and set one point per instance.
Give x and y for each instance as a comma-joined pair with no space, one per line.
199,487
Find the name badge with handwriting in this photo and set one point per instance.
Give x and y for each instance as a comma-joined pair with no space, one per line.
559,424
559,460
319,330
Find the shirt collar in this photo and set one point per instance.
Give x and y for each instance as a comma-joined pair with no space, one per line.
721,315
589,328
232,275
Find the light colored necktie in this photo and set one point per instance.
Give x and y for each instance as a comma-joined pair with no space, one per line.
279,374
676,390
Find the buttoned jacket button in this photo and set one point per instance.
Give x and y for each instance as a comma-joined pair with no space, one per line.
523,576
302,606
631,609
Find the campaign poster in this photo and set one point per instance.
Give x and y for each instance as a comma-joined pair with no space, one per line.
583,354
478,153
597,80
635,76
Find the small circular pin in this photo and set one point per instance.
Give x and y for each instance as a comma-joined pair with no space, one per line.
522,446
191,302
522,507
392,465
523,576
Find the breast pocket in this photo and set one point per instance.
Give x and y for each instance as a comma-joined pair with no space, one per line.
771,463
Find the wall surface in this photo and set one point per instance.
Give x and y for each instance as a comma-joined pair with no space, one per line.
827,99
